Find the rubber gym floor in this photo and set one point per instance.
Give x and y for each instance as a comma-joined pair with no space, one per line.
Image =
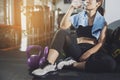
13,67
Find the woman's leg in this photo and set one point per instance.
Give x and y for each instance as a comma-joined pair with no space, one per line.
100,62
74,51
97,63
57,46
63,42
55,49
81,65
52,56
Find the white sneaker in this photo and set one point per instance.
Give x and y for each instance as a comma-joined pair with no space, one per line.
45,70
66,62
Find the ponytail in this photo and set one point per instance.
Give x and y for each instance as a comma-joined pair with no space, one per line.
101,10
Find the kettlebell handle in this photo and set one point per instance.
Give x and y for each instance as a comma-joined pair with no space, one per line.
33,47
46,50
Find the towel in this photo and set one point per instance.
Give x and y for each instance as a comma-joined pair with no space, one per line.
82,19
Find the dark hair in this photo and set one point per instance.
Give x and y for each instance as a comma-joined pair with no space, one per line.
100,8
99,1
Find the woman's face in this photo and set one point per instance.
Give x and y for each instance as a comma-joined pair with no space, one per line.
92,4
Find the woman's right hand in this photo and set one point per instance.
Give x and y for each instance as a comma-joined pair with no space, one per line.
76,3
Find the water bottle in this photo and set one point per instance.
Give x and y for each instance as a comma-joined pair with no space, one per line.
79,5
76,3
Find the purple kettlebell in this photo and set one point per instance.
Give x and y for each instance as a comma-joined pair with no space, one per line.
44,56
33,60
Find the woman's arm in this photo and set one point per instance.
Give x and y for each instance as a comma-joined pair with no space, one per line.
94,49
65,23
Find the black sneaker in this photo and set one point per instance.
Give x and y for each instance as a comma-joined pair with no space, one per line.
67,62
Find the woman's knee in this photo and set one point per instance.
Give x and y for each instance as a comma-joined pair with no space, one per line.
111,63
108,63
58,39
104,63
62,32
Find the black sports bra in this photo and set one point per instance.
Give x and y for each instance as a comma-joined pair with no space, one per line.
85,32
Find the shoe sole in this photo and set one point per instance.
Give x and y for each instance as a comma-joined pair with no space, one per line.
47,74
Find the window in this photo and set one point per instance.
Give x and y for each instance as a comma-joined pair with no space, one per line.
6,12
2,12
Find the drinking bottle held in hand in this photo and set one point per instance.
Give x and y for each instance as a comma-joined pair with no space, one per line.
76,3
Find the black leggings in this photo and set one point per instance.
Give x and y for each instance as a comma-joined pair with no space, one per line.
98,62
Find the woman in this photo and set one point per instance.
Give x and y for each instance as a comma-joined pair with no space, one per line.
87,52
